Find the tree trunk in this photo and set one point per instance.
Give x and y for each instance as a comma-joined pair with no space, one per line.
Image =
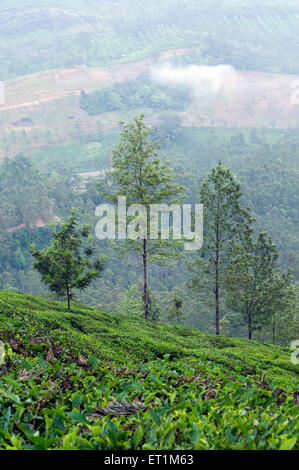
68,297
217,280
145,286
249,325
217,268
273,329
217,301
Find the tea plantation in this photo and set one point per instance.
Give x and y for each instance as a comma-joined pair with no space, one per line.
92,380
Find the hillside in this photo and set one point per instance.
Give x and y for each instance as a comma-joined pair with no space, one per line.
182,102
43,109
45,34
92,380
51,51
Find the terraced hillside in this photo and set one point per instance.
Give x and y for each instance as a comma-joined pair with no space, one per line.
52,50
43,110
91,380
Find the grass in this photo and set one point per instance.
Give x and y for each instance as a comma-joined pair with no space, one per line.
92,380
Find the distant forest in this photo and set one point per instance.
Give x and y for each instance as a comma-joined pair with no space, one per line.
264,162
262,36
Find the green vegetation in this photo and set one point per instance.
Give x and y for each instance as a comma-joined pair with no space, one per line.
92,380
134,94
77,156
257,293
114,374
24,194
139,175
49,34
67,264
223,224
262,160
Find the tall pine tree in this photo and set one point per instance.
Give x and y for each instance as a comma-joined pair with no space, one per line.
140,176
224,222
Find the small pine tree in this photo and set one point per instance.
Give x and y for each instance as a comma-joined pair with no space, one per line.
67,264
255,291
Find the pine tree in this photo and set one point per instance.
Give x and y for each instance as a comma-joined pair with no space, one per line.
67,264
139,175
256,292
224,222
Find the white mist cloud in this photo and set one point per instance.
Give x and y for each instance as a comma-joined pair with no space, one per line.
204,81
